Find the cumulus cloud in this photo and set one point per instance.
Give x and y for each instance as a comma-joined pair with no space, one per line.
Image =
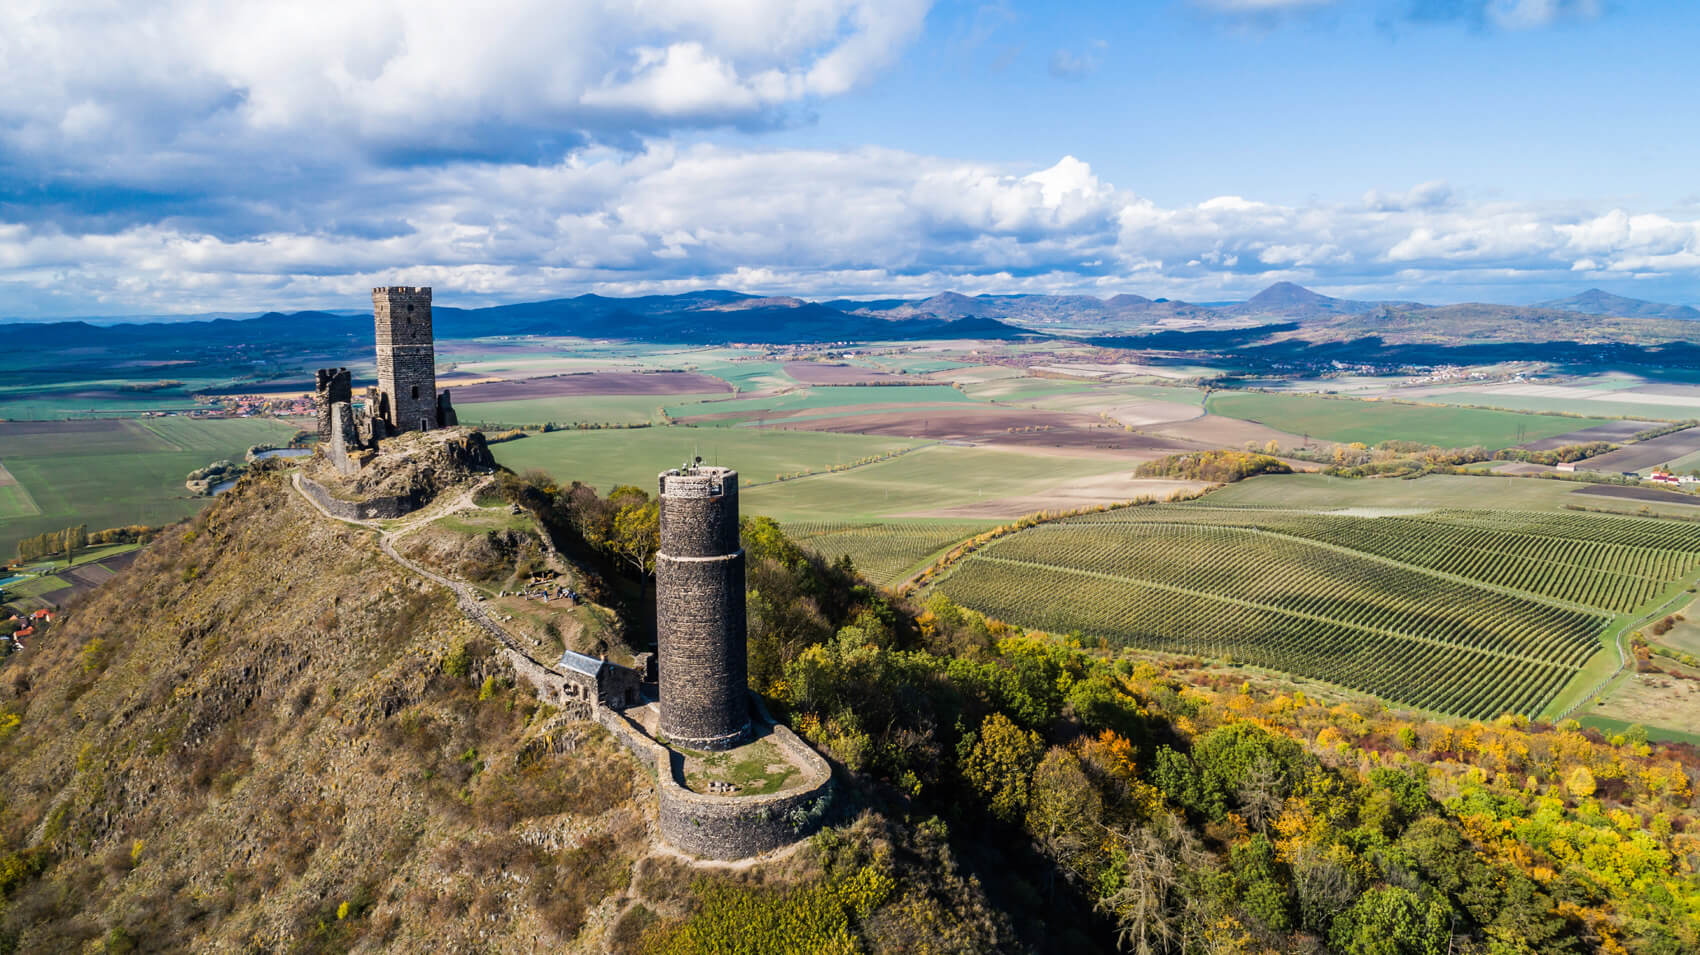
819,223
167,81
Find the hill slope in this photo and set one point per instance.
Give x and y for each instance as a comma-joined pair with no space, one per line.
269,720
1600,302
269,736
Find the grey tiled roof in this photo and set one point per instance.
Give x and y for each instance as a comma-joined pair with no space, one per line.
582,663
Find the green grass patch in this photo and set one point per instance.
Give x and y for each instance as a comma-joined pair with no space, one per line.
604,459
1371,422
757,769
887,552
38,586
829,396
936,476
572,409
1677,409
1611,727
1321,492
126,472
16,502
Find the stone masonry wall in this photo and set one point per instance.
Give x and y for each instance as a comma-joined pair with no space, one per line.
330,385
344,436
378,508
407,364
699,610
730,827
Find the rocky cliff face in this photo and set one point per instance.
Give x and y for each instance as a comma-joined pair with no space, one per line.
417,464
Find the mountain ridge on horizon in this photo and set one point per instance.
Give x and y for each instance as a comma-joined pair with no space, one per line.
722,315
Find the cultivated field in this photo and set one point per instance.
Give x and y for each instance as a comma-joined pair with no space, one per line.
999,426
1642,455
570,410
834,373
1347,420
1466,612
818,398
887,552
592,383
1615,432
941,481
113,472
635,456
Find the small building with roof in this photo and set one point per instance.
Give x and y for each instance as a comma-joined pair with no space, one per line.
595,679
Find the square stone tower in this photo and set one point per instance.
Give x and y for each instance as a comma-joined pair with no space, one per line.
699,610
407,358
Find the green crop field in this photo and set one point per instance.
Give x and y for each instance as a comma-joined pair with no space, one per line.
887,552
127,471
572,409
1348,419
1466,612
827,396
635,456
1400,633
936,476
1612,564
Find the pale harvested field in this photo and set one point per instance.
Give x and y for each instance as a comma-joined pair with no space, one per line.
1132,412
1670,396
1216,431
1067,496
1116,370
1654,699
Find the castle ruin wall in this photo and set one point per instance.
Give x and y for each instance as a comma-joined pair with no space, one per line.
377,508
729,827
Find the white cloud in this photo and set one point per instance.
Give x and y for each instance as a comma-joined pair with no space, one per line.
439,76
817,222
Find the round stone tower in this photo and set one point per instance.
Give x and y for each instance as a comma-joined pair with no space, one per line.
699,610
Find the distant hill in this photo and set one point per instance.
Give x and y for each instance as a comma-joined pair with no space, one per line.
716,316
1287,300
1599,302
697,318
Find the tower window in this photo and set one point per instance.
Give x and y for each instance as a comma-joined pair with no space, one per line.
415,392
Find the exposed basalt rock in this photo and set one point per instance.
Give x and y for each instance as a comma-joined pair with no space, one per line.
407,472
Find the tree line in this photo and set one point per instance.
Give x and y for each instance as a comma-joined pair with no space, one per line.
68,541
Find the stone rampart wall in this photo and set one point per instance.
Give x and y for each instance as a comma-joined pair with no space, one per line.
730,827
378,508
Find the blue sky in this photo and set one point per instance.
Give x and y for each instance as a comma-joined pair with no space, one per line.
249,156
